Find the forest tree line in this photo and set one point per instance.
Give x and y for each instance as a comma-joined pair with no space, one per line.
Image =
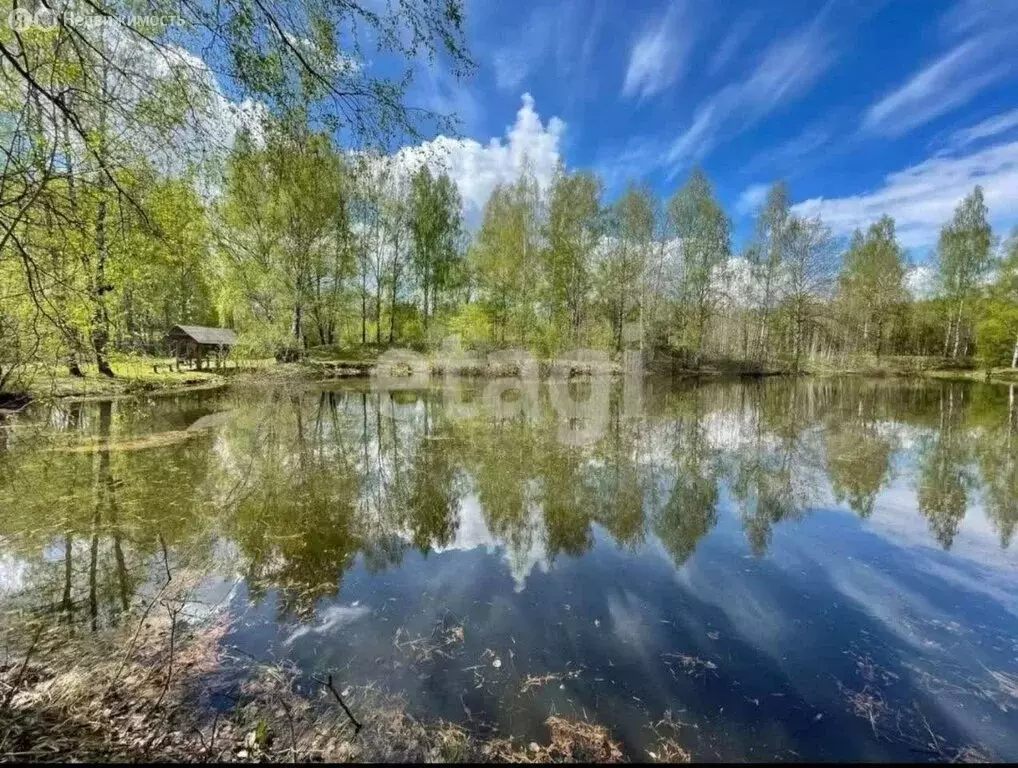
300,241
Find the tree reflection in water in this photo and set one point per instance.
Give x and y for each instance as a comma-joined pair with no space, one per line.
289,490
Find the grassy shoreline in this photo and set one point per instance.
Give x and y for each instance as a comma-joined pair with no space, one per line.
145,689
152,377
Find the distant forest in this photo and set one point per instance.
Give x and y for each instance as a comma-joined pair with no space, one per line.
302,230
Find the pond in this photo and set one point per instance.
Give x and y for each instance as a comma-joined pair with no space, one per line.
782,568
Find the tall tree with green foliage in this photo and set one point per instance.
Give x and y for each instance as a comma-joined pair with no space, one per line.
871,283
284,232
808,274
573,231
525,234
964,257
997,332
492,262
506,258
625,250
767,255
435,222
705,233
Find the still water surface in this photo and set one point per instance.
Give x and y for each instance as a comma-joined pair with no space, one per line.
790,569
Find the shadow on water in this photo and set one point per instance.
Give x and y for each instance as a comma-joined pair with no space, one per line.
780,569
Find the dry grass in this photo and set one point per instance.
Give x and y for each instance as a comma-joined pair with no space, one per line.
571,741
668,748
102,698
143,691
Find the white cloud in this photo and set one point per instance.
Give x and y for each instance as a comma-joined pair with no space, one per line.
982,34
946,84
921,281
477,168
993,126
658,56
751,199
922,197
787,69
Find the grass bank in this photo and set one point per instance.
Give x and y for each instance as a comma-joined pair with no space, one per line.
138,376
152,376
917,367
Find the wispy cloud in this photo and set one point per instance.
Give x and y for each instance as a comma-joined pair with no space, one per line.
981,37
923,197
596,19
732,42
941,87
439,91
785,71
659,55
751,199
787,158
513,62
562,37
968,16
638,157
993,126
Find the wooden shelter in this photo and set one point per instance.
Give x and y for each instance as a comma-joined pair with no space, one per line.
192,343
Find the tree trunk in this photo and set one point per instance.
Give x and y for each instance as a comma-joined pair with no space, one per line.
378,312
100,331
1014,353
364,307
392,310
426,296
957,331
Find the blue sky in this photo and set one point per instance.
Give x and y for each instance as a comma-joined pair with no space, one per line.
863,107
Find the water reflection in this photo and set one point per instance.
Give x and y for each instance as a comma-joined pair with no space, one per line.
298,493
302,484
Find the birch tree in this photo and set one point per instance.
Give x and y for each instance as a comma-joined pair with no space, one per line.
963,259
871,283
705,235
